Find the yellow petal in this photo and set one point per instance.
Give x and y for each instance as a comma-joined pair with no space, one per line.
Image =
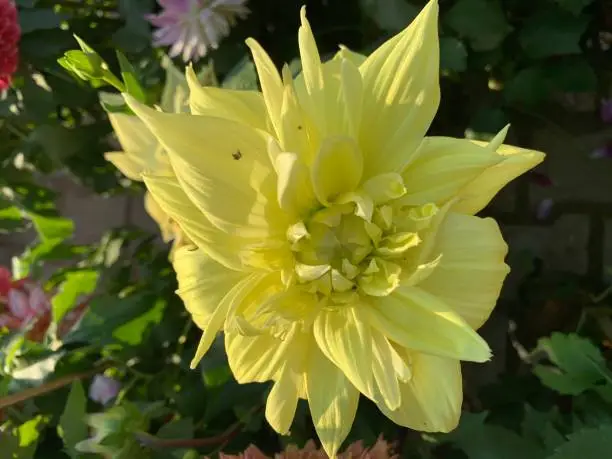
345,53
401,94
444,166
339,154
133,135
224,168
255,358
176,92
333,401
160,217
312,71
479,192
222,247
202,282
270,81
346,339
431,400
215,322
384,371
351,104
418,320
471,271
282,401
294,189
132,166
247,107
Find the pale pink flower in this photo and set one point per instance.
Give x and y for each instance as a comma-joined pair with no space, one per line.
193,27
380,450
24,305
103,389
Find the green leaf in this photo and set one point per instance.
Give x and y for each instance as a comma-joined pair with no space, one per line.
527,87
76,284
29,433
11,219
579,364
72,427
486,123
573,6
389,15
242,76
111,320
453,55
593,443
128,73
181,428
52,228
571,74
481,22
38,19
552,33
479,440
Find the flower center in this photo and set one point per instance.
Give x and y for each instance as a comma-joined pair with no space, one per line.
359,244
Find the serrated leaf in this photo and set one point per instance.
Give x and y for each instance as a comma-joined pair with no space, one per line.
72,427
389,15
593,443
479,440
76,284
579,364
481,22
552,32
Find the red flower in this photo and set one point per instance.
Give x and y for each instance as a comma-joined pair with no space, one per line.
9,37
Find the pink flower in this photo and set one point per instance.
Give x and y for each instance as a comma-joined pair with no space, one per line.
9,38
380,450
25,305
103,389
193,27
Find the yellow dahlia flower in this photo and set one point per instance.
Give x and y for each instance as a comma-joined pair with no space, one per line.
335,245
141,149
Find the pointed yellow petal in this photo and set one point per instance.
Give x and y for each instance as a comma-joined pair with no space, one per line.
133,135
431,400
515,162
270,81
235,296
176,93
345,53
223,166
312,71
222,247
401,94
160,217
282,401
247,107
471,271
333,402
384,357
418,320
444,166
351,105
346,339
202,282
132,166
294,189
336,154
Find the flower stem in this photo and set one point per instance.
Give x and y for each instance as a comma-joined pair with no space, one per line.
50,386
